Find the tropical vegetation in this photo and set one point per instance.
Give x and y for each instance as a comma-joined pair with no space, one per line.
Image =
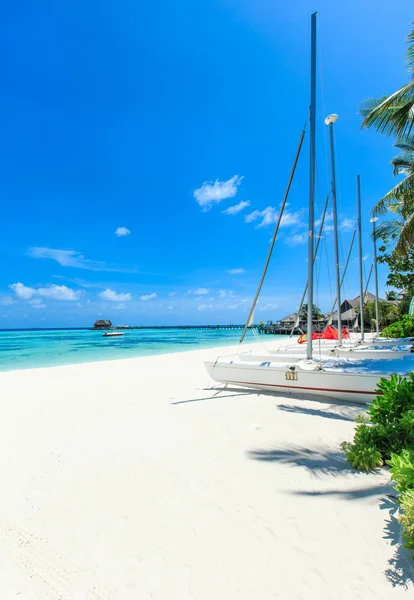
317,314
401,328
387,313
394,115
385,434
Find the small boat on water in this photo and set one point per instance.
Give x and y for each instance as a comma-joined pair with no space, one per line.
112,334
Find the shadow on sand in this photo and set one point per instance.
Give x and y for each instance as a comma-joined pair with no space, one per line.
341,412
319,462
400,570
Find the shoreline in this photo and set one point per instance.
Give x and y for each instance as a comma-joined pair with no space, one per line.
229,350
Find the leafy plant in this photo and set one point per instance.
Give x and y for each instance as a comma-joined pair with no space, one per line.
387,312
402,328
402,469
406,517
362,454
388,426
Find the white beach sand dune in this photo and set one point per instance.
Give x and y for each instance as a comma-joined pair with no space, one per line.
130,480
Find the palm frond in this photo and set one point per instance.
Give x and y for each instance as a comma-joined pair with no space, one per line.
405,143
403,189
380,208
403,163
388,229
410,51
395,115
406,236
368,105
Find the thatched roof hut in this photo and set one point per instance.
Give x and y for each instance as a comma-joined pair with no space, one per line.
102,324
290,319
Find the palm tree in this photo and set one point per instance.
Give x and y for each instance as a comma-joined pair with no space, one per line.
391,296
388,313
394,114
317,314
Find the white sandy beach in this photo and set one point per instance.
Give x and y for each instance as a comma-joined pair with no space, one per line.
130,480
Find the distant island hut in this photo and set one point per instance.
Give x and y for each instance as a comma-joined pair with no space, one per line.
103,324
289,320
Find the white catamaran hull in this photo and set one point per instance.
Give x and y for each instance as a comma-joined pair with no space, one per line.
291,379
354,352
392,341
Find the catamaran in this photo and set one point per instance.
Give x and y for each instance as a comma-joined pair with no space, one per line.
337,378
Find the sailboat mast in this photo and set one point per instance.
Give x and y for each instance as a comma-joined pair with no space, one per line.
374,235
361,276
312,118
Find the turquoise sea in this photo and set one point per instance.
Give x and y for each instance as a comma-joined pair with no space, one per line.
26,349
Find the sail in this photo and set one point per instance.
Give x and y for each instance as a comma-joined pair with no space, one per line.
251,320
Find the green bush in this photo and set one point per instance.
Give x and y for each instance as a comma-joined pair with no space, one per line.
402,469
388,426
402,328
386,434
406,517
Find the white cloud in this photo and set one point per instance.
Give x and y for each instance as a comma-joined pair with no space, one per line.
59,292
55,292
120,306
171,294
200,291
210,193
298,238
269,307
291,218
22,291
347,224
7,301
148,296
72,258
234,210
204,307
37,303
235,271
269,216
234,306
122,231
170,307
114,296
226,294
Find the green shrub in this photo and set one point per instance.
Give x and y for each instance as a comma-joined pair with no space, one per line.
406,518
402,328
362,454
387,427
402,469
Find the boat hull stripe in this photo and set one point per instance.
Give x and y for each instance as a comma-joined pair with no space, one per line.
299,387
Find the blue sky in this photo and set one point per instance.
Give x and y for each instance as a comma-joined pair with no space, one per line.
130,131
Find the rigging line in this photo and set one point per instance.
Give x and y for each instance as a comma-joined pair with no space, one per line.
269,254
315,252
368,280
345,268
